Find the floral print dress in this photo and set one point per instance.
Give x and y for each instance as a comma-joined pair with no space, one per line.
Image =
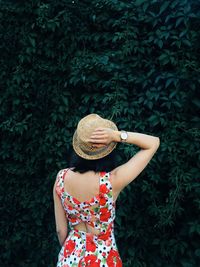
82,248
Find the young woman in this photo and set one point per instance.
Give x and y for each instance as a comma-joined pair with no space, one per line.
85,194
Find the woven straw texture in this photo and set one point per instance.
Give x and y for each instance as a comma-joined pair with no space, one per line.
84,129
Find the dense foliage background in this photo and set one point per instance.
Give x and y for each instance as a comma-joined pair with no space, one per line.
135,62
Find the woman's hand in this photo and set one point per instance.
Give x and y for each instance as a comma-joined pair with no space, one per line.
101,137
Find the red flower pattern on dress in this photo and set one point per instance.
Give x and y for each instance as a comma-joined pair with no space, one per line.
108,242
102,200
73,220
78,252
76,200
77,235
90,261
69,207
90,244
105,214
113,259
104,189
105,236
69,247
103,254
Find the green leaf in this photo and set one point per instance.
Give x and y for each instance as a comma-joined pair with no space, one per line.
154,120
178,21
104,60
32,41
197,252
173,93
160,43
139,2
168,82
65,101
187,42
196,101
164,6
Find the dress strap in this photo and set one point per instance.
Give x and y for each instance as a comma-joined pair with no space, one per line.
106,212
63,177
60,181
105,189
64,173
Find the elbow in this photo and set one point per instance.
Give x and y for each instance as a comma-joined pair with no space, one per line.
157,142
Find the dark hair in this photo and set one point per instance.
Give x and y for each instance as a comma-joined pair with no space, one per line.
107,163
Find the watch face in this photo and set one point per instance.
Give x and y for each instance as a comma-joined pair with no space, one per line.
123,135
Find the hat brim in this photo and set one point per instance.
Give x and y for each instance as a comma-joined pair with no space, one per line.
97,153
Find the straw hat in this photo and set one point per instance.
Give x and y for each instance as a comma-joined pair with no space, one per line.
83,132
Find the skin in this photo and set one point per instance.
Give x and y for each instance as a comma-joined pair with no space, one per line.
85,186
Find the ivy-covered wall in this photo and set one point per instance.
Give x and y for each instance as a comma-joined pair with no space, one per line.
135,62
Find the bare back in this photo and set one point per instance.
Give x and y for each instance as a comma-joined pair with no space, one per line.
83,186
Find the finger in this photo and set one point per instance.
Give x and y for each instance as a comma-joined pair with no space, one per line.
99,129
98,135
97,132
97,141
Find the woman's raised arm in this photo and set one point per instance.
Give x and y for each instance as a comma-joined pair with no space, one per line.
127,172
